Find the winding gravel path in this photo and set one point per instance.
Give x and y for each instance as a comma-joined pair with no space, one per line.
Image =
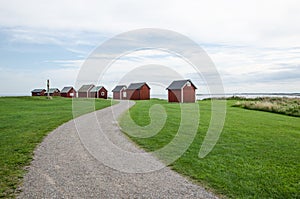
64,168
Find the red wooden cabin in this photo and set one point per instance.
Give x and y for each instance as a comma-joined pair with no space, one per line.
98,92
68,91
84,90
119,92
38,92
182,91
53,92
138,91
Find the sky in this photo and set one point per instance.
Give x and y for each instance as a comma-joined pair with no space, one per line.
254,45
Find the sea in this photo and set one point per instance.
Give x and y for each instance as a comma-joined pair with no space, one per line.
243,95
206,96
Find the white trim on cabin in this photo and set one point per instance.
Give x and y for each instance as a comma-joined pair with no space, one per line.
190,84
122,93
181,90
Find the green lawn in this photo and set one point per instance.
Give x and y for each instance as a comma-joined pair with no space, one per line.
257,155
24,123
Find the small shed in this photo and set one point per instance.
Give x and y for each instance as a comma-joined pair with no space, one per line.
38,92
182,91
119,92
98,92
53,92
138,91
68,91
84,90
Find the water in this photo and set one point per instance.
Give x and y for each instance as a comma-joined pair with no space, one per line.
14,95
245,95
248,95
205,96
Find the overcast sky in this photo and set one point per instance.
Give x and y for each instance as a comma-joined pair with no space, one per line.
255,45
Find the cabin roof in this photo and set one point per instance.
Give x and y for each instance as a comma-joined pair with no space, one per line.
178,84
66,89
37,90
86,88
119,88
137,86
52,90
96,88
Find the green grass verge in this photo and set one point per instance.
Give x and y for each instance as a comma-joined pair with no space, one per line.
257,155
24,123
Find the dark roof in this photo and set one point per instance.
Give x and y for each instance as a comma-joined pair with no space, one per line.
66,89
137,86
96,88
52,90
119,88
38,90
86,88
175,85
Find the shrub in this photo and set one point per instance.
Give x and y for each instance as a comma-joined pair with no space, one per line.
287,106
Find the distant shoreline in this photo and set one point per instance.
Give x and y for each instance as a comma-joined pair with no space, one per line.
234,94
201,96
247,95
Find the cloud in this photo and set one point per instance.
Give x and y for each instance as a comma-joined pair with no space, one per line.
233,22
75,64
128,63
254,44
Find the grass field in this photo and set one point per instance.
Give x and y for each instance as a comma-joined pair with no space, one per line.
24,123
257,155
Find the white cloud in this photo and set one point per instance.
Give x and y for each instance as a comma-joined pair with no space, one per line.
75,64
245,39
246,69
267,22
119,72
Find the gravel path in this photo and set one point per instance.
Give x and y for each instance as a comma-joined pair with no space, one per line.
64,168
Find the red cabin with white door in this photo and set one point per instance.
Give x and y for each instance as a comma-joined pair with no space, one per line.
182,91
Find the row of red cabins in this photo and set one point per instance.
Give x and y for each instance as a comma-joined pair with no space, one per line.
178,91
86,91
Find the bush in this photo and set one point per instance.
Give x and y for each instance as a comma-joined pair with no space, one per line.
287,106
